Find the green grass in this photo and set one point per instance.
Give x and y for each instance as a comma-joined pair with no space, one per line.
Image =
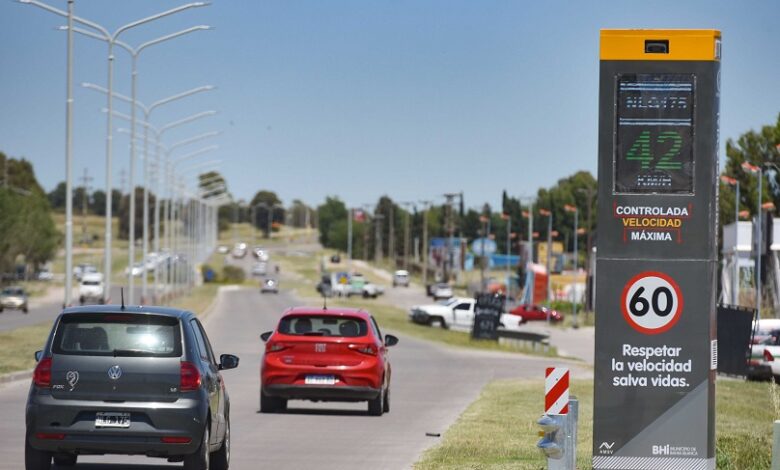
498,430
18,346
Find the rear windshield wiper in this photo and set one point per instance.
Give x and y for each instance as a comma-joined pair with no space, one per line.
131,352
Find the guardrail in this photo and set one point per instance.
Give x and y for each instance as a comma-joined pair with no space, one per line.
528,339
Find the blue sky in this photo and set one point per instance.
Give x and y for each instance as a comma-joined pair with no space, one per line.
363,98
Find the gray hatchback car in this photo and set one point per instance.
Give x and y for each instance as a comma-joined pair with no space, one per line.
128,380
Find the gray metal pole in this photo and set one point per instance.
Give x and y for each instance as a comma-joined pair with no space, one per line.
574,281
549,261
425,246
109,189
735,276
145,250
131,214
68,163
349,238
508,250
758,246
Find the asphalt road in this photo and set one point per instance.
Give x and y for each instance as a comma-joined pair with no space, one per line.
431,386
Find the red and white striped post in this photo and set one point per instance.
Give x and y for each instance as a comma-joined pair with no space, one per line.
556,391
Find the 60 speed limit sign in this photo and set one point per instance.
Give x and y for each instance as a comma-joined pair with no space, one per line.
651,302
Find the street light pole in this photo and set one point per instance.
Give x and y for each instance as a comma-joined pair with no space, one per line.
735,275
68,166
575,210
757,170
548,214
425,205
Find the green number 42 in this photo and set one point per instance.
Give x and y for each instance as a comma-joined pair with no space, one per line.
640,151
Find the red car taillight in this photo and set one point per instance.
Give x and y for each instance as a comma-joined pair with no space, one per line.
364,348
190,377
275,347
175,440
42,373
768,356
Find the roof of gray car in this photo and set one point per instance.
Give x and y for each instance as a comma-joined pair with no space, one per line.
166,311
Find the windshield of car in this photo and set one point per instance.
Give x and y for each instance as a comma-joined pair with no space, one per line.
109,334
12,291
323,325
448,302
90,283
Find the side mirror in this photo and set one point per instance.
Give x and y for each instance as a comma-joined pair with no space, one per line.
266,335
228,361
391,340
38,356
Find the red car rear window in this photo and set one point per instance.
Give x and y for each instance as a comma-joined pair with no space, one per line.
323,325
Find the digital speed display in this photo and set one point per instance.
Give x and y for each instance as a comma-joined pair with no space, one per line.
653,150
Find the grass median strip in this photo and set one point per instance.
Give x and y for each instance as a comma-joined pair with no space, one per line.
18,346
499,431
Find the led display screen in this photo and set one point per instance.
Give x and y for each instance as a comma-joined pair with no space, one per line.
654,141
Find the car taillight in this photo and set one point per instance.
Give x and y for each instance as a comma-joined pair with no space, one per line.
275,347
175,440
768,356
190,377
42,373
364,348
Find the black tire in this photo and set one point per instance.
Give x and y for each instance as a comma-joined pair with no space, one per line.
66,460
386,404
376,405
24,310
81,300
365,295
35,459
442,323
270,404
220,460
200,459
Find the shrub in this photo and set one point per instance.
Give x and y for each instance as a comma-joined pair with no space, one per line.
233,274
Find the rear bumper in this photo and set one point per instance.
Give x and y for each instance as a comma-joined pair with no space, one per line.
149,422
319,392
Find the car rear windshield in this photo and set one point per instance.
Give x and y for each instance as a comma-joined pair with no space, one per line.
111,334
12,291
323,325
90,283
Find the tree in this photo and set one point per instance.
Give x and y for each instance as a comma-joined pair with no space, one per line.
330,212
263,202
578,190
124,210
756,148
27,232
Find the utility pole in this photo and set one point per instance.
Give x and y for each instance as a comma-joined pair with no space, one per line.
407,205
366,207
589,193
448,262
425,204
122,180
350,215
378,237
84,198
391,241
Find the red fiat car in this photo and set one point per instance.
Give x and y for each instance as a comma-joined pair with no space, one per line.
536,313
326,355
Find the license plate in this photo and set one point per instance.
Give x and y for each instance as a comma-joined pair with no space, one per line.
320,380
112,420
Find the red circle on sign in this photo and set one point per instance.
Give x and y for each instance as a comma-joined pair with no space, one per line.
675,315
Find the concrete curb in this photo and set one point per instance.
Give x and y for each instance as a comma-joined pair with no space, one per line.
15,376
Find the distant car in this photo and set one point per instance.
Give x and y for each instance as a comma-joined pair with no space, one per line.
136,380
91,288
84,268
335,354
401,278
441,291
536,313
371,290
239,250
223,249
335,259
269,285
765,350
45,275
261,254
259,269
13,298
137,270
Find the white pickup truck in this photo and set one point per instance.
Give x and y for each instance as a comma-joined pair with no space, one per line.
456,312
764,360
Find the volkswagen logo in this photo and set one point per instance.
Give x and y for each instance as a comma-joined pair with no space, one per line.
114,372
